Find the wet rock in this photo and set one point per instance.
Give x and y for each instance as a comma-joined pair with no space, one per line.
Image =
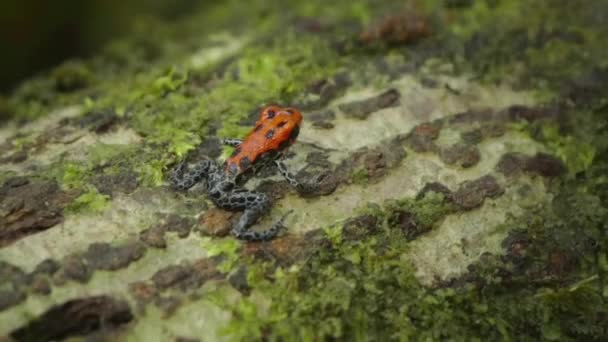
472,116
185,277
407,223
170,276
238,280
510,163
187,339
493,130
12,274
460,154
458,3
76,317
9,298
325,90
362,109
472,137
471,194
216,222
74,268
154,236
274,189
41,285
180,225
405,27
16,157
287,250
98,121
435,187
545,165
519,112
168,304
111,184
428,82
588,87
317,184
143,291
542,164
319,159
103,256
28,207
360,227
516,245
373,162
421,138
310,24
322,118
47,266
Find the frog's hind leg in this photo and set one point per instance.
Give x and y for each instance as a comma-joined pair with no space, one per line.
182,179
256,204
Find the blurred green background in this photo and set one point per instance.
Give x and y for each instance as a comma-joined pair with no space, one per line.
37,34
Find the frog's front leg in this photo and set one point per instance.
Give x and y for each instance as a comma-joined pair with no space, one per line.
232,142
288,175
256,204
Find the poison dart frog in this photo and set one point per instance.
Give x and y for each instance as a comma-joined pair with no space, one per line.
275,130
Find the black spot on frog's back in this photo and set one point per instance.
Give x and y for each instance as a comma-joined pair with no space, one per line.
270,134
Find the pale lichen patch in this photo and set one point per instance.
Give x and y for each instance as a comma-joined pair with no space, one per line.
417,104
462,238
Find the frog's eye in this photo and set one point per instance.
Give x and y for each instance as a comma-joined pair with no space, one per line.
281,124
271,113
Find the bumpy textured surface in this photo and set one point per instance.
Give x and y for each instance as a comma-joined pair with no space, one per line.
458,150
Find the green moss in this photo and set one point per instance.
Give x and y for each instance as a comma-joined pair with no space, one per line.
576,154
69,174
90,201
360,176
226,248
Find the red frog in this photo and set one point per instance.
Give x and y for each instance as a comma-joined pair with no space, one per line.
276,129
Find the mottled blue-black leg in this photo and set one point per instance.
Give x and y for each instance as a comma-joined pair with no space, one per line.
181,179
290,177
256,204
234,142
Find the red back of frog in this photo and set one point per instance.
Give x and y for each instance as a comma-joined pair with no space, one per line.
276,129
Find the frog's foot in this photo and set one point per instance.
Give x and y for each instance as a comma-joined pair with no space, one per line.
256,204
182,179
265,235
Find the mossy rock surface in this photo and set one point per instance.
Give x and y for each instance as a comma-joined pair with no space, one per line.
465,150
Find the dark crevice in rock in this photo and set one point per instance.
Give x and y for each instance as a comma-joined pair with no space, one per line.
363,108
75,318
